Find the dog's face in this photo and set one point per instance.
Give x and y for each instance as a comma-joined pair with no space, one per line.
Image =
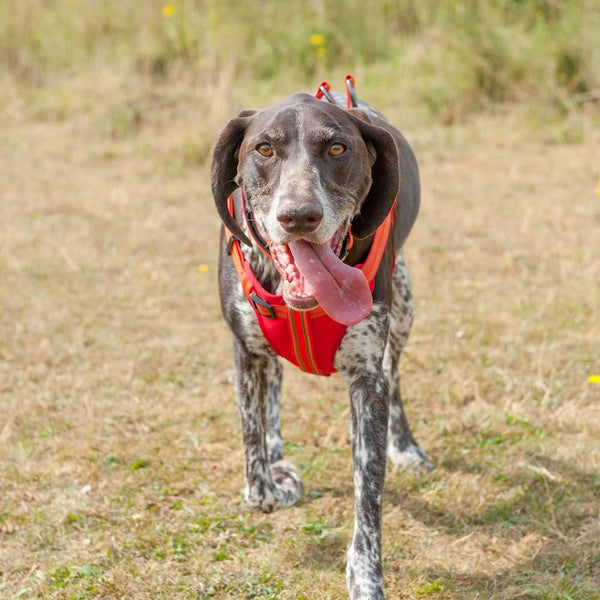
309,171
305,174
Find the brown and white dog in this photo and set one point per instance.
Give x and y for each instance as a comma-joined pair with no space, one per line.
310,171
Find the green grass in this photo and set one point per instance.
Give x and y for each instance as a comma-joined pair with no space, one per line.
451,58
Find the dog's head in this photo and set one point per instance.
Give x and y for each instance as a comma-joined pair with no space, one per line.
309,171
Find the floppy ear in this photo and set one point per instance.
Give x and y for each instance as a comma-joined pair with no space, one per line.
223,169
385,174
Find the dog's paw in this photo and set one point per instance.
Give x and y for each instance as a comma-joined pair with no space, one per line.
285,490
411,457
362,579
288,481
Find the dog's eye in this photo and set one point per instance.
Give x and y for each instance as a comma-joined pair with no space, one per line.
336,149
265,149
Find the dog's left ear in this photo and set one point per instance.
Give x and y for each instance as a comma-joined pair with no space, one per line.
223,168
385,174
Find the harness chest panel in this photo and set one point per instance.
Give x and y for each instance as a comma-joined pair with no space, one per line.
308,339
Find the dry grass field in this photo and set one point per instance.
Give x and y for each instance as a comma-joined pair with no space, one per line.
120,448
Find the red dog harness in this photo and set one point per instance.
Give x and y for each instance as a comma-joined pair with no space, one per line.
307,338
310,338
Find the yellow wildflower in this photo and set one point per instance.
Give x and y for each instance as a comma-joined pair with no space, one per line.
321,52
201,270
168,10
594,378
316,39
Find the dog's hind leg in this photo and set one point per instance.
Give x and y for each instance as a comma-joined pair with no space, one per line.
268,486
403,450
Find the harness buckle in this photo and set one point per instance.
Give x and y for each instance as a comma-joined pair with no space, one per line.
262,306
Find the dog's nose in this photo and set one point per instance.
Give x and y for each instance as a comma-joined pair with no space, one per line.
300,218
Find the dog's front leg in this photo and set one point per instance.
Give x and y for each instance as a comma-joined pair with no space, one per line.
274,438
360,360
268,486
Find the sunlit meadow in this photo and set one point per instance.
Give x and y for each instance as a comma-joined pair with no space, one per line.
120,447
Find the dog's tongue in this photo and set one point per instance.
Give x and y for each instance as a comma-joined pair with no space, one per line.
342,291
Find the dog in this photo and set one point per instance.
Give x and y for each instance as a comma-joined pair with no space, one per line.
304,188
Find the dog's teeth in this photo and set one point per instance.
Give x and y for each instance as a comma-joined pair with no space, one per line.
290,269
290,286
285,259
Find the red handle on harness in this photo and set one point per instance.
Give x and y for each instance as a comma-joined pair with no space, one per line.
324,91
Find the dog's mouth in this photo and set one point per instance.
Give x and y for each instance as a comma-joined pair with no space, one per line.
314,274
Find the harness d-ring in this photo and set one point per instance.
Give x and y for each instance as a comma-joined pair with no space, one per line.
323,91
351,97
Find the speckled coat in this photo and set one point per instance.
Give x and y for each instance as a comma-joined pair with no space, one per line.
378,166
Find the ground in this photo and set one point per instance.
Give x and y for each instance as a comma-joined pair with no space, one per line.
120,448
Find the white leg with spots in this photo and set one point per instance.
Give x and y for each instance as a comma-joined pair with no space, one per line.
360,359
268,486
403,450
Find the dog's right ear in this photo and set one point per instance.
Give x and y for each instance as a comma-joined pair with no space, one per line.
223,169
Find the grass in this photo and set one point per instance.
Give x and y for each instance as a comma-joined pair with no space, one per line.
120,450
450,59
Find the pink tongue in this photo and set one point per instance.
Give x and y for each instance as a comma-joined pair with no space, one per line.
342,291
